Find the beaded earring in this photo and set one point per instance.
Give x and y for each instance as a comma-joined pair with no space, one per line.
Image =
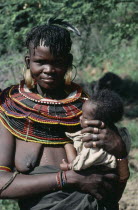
29,81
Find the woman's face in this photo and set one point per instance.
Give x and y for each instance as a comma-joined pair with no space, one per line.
47,70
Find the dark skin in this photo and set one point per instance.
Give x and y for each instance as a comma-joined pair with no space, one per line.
26,155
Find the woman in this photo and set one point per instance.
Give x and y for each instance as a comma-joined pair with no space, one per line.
34,117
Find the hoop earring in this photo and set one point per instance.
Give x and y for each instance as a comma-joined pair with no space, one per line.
29,81
75,72
68,76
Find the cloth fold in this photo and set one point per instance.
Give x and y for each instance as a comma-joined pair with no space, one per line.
87,157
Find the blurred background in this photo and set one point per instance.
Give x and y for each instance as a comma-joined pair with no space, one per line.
106,55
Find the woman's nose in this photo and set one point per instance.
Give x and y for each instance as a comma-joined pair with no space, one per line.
48,69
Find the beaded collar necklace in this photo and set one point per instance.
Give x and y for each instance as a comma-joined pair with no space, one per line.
74,89
31,117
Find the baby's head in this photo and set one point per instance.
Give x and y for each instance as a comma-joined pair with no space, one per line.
106,106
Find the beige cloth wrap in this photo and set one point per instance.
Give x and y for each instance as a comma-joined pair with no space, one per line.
87,157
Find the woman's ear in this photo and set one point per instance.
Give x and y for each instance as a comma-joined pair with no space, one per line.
27,61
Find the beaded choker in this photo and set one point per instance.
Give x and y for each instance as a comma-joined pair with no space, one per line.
31,117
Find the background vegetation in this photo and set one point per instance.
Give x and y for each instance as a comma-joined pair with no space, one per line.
108,43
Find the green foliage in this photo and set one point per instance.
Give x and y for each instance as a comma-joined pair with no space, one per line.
11,68
133,129
8,205
102,23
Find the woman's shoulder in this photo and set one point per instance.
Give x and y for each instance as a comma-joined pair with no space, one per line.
75,90
7,91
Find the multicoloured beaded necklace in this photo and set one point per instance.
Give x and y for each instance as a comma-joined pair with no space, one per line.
31,117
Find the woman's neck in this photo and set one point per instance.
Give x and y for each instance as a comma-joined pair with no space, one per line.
58,93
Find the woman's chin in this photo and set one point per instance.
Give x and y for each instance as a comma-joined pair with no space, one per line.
49,86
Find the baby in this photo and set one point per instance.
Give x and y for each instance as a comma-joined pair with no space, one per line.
107,107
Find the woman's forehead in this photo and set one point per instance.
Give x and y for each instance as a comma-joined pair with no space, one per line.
41,51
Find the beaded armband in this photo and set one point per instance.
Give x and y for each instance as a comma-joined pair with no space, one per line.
5,168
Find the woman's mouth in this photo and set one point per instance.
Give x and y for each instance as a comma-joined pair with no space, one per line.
48,79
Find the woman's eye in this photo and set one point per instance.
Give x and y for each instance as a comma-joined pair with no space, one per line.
59,63
41,62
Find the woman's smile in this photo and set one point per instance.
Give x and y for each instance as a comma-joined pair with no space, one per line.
48,78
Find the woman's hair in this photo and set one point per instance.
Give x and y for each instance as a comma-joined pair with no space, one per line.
55,35
109,106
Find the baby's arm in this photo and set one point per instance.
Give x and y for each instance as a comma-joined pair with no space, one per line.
71,155
70,152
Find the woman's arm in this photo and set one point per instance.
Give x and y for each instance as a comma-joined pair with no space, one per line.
70,152
27,185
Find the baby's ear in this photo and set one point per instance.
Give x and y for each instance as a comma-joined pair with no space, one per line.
27,61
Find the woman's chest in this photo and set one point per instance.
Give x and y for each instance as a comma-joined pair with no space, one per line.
29,155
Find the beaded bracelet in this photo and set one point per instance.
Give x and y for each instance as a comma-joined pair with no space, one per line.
64,179
58,179
123,170
61,179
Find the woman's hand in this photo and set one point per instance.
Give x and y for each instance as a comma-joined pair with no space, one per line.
98,185
104,137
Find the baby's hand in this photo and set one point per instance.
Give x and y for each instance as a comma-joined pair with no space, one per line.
65,166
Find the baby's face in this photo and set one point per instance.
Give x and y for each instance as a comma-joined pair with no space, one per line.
88,110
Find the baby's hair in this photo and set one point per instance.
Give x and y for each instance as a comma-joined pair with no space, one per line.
109,106
55,35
